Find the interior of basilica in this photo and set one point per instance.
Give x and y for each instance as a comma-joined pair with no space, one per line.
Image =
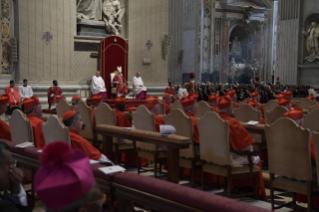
159,105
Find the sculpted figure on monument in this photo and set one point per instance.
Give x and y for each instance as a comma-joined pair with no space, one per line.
312,41
89,9
113,14
236,47
255,68
232,69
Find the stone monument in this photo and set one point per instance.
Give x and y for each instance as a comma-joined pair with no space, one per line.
312,42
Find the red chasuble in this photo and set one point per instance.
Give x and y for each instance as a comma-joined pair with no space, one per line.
36,123
11,99
57,95
5,131
123,89
121,119
78,142
158,121
195,128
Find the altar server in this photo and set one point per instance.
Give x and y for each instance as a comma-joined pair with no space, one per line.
73,121
54,95
140,89
33,110
14,98
98,85
25,91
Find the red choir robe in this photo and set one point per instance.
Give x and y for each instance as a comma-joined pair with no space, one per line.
158,121
5,131
121,119
293,104
80,143
261,108
239,139
195,128
121,88
56,97
38,135
170,91
167,108
11,99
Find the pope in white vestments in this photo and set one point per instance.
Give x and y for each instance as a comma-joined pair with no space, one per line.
140,90
98,85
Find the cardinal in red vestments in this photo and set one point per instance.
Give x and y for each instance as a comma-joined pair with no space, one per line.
255,96
289,95
95,102
75,101
254,104
239,138
170,89
190,108
73,121
233,97
212,101
152,104
14,98
279,96
285,102
121,83
191,85
33,110
167,100
54,95
4,128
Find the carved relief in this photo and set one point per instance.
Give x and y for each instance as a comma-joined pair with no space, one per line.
113,14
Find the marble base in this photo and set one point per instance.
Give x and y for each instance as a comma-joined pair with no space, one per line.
91,28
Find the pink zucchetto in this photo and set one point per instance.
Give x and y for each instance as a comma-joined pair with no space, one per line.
65,176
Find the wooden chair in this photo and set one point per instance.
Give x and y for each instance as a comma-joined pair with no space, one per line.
184,127
177,105
289,159
310,120
162,108
22,130
315,138
276,113
106,115
270,105
215,152
86,114
203,107
62,107
305,103
246,113
145,120
54,130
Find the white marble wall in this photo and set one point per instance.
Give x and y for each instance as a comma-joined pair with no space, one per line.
39,62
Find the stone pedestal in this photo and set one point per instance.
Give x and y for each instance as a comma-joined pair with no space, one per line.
91,28
225,51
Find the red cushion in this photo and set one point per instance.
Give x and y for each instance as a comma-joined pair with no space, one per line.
183,195
30,152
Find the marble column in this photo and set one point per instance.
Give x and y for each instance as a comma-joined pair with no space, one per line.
259,45
225,51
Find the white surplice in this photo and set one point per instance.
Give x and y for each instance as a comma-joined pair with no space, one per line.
98,85
25,92
137,81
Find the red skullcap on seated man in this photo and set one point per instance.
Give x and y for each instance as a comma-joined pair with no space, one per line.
65,180
285,102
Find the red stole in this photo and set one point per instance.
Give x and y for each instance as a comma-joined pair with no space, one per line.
5,131
38,136
80,143
11,99
195,128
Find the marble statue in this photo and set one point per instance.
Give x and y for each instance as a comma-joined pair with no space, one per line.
255,68
113,13
232,69
89,10
236,47
312,41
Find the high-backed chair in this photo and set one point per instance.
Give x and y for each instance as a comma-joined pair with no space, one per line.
54,130
22,130
184,127
270,105
86,114
315,138
177,105
162,108
246,113
145,120
289,158
62,107
215,152
106,115
276,113
305,103
203,107
310,120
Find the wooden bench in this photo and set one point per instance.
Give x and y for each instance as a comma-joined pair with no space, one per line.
173,143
